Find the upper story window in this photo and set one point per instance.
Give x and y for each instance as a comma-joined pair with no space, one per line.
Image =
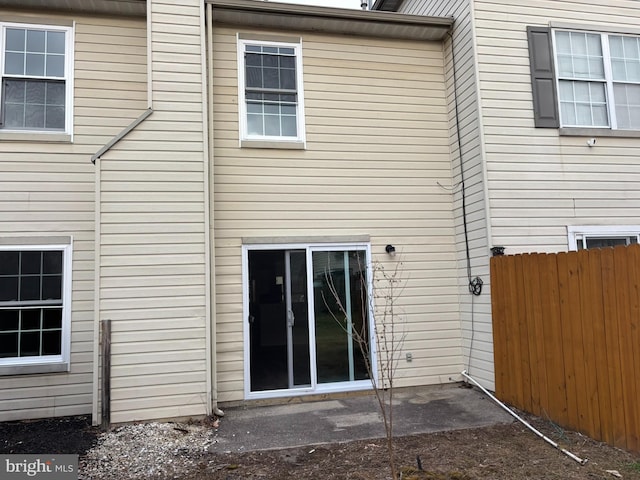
35,291
598,80
584,79
270,93
36,64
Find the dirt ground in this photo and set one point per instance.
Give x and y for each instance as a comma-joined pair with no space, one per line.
508,451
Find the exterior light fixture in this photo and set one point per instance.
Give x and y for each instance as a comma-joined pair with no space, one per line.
391,250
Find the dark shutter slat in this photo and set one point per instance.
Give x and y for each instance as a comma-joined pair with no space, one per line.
543,82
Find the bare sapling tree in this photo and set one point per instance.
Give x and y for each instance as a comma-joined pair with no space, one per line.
388,335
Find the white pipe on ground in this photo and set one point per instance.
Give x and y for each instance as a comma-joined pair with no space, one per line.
524,422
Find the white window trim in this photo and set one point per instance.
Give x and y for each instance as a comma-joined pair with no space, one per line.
49,363
56,135
315,387
608,74
270,141
581,233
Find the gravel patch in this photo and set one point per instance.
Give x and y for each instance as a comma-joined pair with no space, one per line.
148,450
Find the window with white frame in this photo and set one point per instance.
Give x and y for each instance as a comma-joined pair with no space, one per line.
270,91
598,79
36,65
584,237
583,79
35,291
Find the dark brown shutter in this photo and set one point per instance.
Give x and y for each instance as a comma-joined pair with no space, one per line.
543,82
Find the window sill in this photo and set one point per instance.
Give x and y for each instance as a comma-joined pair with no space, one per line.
45,137
279,144
597,132
33,368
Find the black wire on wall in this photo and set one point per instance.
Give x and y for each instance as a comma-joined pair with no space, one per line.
475,283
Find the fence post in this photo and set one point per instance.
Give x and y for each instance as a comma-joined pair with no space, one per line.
105,347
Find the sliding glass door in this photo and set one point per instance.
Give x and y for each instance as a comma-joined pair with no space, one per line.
307,319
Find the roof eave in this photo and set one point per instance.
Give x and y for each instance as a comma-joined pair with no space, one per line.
135,8
329,20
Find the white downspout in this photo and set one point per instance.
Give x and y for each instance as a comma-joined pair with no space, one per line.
209,192
95,410
149,59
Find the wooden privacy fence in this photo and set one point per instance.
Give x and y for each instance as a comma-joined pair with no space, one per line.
566,330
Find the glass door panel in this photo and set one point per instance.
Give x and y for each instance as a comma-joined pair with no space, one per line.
278,320
267,321
340,310
299,365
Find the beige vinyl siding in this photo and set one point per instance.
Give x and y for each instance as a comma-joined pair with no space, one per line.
540,182
48,190
152,221
377,162
475,310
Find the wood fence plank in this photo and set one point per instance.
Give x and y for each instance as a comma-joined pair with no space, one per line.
629,315
513,334
510,336
574,321
600,344
538,289
611,290
523,362
635,334
507,377
498,301
554,356
593,427
566,277
530,313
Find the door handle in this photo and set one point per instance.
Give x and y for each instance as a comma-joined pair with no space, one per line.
291,319
251,318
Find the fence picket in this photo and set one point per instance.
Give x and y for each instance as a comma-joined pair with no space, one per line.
628,388
593,427
577,399
566,340
634,338
531,301
523,335
600,344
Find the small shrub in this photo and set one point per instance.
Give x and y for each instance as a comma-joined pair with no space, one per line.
635,466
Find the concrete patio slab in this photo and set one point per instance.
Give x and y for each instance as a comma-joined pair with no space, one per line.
416,410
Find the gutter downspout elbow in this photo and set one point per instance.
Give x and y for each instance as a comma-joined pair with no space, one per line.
149,109
122,134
